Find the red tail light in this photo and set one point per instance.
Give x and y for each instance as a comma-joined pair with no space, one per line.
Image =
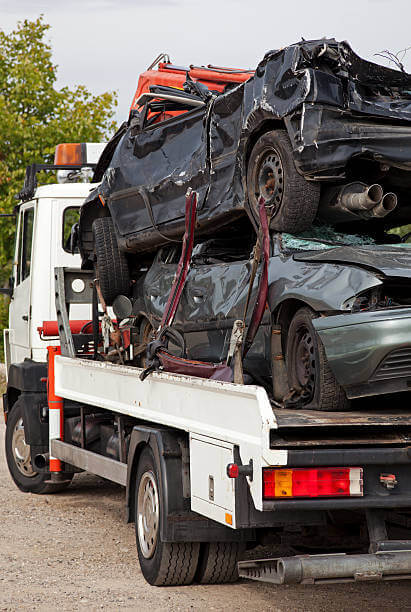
312,482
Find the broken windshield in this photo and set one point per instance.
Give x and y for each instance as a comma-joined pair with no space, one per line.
322,237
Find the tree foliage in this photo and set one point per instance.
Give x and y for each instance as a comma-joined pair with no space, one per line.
35,116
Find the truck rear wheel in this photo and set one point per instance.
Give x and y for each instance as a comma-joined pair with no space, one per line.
19,457
218,562
111,263
162,563
271,173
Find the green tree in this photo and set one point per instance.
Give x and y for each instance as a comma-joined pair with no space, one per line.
35,117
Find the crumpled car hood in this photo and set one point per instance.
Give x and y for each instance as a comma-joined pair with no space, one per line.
388,260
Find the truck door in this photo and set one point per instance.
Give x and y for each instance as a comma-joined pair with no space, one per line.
20,310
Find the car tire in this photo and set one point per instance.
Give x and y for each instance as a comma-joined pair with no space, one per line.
111,263
271,172
19,459
308,369
218,562
162,563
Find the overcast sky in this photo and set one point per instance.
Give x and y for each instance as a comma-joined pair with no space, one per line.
105,44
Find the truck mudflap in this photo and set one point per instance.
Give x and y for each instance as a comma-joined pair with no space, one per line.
329,568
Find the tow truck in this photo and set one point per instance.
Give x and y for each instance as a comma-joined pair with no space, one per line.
210,468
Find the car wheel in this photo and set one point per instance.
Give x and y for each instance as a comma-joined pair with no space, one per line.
307,367
162,563
111,263
218,562
271,173
18,457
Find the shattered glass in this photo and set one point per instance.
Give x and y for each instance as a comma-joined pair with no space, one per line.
321,237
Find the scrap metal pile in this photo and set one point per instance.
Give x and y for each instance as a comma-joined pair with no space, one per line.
323,138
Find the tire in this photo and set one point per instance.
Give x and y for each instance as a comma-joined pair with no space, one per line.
19,460
271,172
162,563
218,562
111,263
308,368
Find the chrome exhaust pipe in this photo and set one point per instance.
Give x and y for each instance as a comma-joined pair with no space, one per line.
387,205
358,196
349,202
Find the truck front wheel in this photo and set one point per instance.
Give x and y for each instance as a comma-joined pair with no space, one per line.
19,457
162,563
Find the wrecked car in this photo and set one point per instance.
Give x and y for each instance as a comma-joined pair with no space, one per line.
316,130
342,301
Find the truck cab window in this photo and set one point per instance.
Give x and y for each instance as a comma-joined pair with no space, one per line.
71,216
25,243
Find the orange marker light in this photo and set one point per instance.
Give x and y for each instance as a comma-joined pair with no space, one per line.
70,154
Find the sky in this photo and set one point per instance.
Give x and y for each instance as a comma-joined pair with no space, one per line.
106,44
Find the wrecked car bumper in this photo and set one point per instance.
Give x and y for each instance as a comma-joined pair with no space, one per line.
369,352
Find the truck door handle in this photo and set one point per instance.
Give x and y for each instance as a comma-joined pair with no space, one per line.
25,317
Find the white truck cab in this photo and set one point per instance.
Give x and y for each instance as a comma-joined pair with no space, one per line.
43,233
42,243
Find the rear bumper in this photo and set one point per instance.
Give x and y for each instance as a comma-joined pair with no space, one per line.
369,352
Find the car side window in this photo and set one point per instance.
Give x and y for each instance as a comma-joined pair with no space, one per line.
25,244
156,109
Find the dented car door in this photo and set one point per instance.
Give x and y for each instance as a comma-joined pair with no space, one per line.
162,160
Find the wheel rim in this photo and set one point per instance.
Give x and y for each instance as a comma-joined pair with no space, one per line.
303,362
270,179
21,450
147,514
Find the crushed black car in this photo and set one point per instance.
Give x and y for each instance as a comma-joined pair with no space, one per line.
318,131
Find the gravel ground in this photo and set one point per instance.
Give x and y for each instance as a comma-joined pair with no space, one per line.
73,551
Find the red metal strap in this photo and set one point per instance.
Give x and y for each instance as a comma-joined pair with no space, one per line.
185,259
